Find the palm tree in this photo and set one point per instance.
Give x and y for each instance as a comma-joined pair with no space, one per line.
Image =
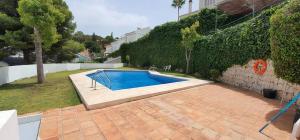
178,4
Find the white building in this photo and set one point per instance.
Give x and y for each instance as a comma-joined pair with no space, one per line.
127,38
202,5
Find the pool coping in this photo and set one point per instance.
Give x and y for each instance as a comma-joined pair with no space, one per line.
104,97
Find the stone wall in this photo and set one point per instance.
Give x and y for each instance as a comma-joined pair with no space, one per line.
245,77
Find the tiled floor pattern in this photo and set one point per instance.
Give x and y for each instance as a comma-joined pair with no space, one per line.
209,112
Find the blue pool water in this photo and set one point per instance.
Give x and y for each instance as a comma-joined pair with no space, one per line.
130,79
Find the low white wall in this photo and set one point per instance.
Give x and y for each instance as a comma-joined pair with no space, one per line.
113,60
18,72
13,73
100,66
9,129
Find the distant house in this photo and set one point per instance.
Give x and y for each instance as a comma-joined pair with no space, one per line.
232,7
82,57
202,5
127,38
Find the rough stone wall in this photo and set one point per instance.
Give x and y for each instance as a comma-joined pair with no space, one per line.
245,77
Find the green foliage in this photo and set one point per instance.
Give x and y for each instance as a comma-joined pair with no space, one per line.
189,36
79,36
8,23
116,54
65,29
209,19
94,43
128,58
70,49
100,60
212,54
109,38
214,74
233,46
178,3
92,46
161,46
20,39
43,15
9,7
285,41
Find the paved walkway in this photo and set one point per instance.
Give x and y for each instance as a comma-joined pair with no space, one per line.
203,113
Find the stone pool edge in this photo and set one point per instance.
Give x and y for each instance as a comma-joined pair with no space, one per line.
104,97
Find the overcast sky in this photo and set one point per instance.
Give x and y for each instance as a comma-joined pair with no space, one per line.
122,16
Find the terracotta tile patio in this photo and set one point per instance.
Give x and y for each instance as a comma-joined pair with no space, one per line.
202,113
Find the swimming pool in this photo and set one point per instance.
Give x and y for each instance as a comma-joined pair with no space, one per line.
118,80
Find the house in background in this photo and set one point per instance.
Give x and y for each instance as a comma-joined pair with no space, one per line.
231,7
202,5
82,57
127,38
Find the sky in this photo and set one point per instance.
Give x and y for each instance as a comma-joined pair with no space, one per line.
122,16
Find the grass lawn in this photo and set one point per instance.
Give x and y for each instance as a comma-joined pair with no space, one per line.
27,96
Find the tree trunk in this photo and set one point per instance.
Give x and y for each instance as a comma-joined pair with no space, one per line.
26,54
178,14
188,53
187,61
187,67
39,56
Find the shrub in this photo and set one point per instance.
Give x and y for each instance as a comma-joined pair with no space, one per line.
114,54
70,49
285,41
233,46
161,46
100,60
213,53
214,74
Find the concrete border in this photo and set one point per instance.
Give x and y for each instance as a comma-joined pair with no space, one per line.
104,97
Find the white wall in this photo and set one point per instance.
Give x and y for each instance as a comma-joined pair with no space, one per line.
13,73
100,66
9,129
17,72
127,38
113,60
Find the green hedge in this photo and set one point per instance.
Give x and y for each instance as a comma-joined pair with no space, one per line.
285,41
213,54
160,47
233,46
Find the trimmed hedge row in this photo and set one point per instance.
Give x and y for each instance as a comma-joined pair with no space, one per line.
233,46
213,54
161,46
285,41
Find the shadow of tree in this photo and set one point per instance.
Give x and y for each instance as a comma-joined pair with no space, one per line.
16,86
